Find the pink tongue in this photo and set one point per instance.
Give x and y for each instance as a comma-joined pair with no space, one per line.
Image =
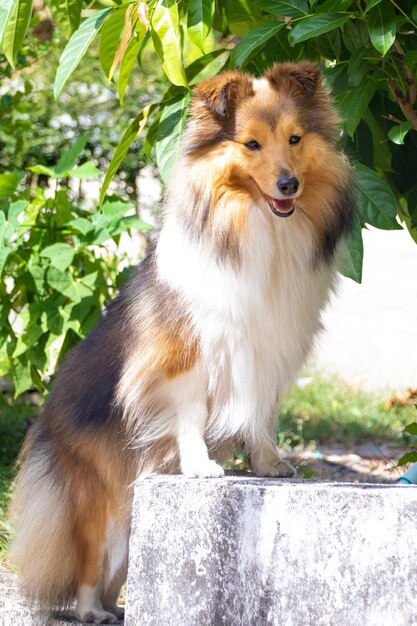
283,205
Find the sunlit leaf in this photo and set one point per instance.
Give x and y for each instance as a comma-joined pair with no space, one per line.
110,37
77,47
382,27
67,14
6,9
398,132
170,129
69,157
200,14
60,255
122,149
16,28
126,66
166,37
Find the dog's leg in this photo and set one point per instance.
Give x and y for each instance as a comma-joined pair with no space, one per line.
112,593
266,461
189,395
90,529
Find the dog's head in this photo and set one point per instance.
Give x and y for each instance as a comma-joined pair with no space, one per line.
276,130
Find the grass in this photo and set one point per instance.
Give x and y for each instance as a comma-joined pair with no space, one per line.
327,410
316,411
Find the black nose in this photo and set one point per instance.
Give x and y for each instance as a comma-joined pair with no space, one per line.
288,185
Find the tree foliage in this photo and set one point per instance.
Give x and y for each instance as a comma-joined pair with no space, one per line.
368,51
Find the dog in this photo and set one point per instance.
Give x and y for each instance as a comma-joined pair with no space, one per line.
201,342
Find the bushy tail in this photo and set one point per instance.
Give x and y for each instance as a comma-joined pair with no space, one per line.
41,514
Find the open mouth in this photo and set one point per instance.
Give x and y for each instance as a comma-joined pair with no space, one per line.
282,208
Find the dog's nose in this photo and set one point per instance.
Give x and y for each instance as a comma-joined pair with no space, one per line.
288,185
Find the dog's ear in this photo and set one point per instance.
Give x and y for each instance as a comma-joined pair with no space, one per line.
221,93
306,75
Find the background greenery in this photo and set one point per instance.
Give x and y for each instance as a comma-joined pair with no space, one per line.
123,82
94,91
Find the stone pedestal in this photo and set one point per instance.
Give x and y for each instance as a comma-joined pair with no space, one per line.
243,551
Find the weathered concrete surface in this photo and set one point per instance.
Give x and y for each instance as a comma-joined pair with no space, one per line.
260,552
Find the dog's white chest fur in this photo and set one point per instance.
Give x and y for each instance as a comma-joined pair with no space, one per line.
255,321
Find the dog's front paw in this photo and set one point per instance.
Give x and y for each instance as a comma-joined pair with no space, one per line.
278,468
206,469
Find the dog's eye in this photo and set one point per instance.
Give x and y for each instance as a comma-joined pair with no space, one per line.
294,139
252,145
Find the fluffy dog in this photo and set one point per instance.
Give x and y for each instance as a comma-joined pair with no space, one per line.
200,343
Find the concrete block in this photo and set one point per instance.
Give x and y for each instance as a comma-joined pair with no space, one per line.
244,551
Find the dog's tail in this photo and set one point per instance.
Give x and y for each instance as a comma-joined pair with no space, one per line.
41,513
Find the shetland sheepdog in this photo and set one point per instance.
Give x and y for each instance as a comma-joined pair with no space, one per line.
202,340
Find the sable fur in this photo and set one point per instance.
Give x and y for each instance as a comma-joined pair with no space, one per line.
194,352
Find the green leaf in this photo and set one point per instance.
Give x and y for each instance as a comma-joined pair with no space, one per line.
358,67
60,255
207,66
43,169
4,254
330,44
16,28
82,225
382,153
9,183
382,27
397,133
123,147
316,25
15,210
67,14
291,8
69,158
6,9
58,279
84,171
352,258
331,6
77,47
371,4
38,274
53,349
411,428
253,41
171,126
166,37
408,457
377,204
126,66
355,35
22,376
28,338
353,104
110,37
200,15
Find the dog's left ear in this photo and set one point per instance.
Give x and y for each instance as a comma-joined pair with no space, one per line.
307,75
221,93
